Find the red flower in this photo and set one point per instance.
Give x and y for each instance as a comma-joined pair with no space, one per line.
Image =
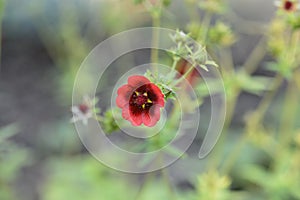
287,5
140,101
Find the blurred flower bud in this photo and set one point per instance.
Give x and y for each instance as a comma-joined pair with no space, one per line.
276,42
212,185
287,5
213,6
194,52
221,34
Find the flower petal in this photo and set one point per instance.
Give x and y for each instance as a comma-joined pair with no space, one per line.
137,81
123,97
136,119
148,121
125,112
152,117
155,112
159,97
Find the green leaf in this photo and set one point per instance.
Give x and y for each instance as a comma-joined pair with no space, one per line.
8,131
253,84
211,62
204,67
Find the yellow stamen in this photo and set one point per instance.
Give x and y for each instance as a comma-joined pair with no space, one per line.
149,101
137,93
145,94
143,106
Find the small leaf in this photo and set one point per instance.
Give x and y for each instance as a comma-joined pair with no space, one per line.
204,67
8,131
211,62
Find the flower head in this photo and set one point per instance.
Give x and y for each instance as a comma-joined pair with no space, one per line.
83,111
287,5
140,101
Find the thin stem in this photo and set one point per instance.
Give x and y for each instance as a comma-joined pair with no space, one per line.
172,72
168,183
265,102
155,41
256,56
145,182
166,179
230,107
249,66
253,63
261,110
233,156
183,76
175,61
193,14
288,114
227,59
204,27
291,99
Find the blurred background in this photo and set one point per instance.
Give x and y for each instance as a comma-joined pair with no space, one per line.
43,44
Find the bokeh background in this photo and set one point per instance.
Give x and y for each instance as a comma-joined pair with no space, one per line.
43,44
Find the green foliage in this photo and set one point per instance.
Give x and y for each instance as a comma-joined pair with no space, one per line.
262,162
108,122
12,159
83,177
185,48
213,6
221,34
213,186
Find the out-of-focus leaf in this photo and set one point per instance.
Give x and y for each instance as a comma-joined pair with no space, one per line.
8,131
209,87
83,177
174,151
253,84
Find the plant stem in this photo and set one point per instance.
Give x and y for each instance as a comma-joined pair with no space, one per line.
183,76
259,115
204,27
155,41
166,179
291,98
145,182
175,61
288,114
227,60
230,107
193,14
265,102
168,183
256,56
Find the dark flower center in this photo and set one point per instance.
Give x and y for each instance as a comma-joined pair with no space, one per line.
141,100
83,108
288,5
